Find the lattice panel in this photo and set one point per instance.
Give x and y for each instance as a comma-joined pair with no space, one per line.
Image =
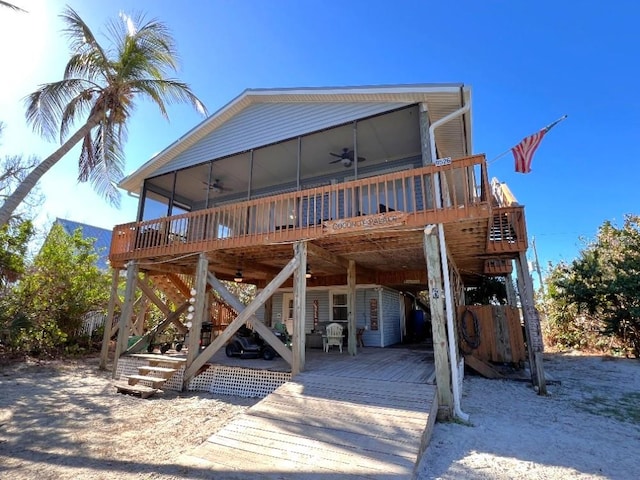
243,382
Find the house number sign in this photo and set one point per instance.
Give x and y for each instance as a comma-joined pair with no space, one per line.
441,162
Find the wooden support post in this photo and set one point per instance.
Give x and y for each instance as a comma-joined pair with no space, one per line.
425,139
438,325
127,312
532,330
108,322
246,314
511,292
299,310
268,312
138,324
200,287
351,308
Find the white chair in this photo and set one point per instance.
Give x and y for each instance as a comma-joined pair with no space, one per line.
333,336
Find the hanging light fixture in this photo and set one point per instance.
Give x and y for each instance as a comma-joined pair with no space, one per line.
308,272
238,278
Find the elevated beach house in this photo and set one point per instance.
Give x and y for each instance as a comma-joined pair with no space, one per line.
340,205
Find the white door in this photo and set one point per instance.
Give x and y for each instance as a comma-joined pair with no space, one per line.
287,311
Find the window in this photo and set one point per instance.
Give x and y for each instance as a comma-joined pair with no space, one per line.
339,309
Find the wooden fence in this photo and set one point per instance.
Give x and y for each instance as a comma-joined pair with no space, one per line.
492,333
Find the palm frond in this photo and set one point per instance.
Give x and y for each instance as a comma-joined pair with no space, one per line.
90,66
77,107
169,91
46,106
81,38
12,6
108,161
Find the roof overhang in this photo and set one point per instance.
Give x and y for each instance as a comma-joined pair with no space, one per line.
459,93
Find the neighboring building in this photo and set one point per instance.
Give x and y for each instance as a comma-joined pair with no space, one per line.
372,191
101,236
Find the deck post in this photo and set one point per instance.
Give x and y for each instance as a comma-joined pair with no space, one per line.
425,138
351,310
268,312
299,310
108,321
511,292
127,312
532,330
438,325
200,287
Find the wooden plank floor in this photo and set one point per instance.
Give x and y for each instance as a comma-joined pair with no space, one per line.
353,418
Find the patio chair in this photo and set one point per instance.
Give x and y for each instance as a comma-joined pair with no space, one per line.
333,336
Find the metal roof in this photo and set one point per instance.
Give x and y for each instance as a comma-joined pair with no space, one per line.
102,239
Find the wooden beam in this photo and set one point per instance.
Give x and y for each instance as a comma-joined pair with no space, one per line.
127,312
483,368
352,348
438,325
172,318
299,310
237,305
268,312
108,322
200,286
425,138
531,324
151,295
337,260
182,287
246,314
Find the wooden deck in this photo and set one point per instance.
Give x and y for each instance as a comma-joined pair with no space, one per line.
368,416
402,364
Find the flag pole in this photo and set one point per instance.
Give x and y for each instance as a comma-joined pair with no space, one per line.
547,128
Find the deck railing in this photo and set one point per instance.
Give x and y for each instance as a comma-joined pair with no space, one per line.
423,195
507,231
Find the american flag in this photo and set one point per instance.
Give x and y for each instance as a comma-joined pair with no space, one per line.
523,152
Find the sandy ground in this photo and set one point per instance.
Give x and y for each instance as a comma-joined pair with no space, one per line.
587,427
65,421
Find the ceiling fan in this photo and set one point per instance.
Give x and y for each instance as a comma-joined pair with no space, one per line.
346,157
216,186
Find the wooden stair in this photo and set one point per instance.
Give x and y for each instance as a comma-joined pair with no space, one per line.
151,377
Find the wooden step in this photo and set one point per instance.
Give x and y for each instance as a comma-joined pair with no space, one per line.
154,381
162,372
166,362
142,390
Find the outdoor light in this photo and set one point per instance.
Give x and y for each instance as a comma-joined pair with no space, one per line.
193,292
188,324
308,273
238,278
192,300
191,308
190,316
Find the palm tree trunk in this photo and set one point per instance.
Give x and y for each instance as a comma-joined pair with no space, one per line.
12,201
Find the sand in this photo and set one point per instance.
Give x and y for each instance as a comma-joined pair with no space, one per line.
64,420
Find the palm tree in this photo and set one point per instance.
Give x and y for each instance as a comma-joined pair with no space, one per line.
101,85
11,5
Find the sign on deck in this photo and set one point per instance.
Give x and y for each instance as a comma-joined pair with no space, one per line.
381,220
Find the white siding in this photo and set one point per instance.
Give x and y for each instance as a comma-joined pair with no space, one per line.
391,317
266,123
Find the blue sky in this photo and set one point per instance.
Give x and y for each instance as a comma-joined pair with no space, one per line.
527,63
